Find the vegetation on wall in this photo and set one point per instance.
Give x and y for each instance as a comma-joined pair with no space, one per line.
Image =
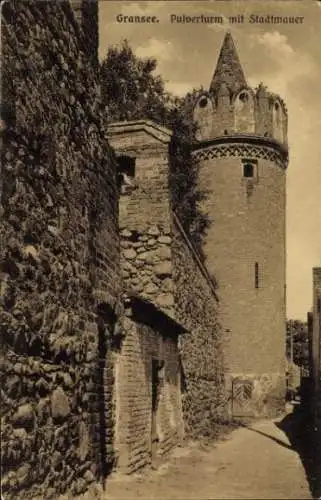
297,342
131,90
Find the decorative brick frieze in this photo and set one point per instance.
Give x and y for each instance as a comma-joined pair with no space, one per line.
241,151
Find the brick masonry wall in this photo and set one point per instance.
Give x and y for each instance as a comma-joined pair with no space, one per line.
158,263
59,259
148,204
146,268
248,226
144,343
144,212
196,306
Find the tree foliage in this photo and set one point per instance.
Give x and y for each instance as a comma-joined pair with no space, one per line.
297,335
131,90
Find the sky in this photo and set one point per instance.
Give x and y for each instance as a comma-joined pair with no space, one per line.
285,57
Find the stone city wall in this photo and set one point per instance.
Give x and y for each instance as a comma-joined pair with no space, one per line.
59,258
197,307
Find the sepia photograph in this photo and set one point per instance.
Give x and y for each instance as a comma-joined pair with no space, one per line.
160,249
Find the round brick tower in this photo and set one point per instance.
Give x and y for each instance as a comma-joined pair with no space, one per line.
242,149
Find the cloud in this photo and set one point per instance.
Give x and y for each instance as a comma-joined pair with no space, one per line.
274,42
160,50
285,65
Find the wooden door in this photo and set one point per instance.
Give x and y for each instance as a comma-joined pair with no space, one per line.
242,404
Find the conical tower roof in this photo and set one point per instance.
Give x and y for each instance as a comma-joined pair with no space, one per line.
228,69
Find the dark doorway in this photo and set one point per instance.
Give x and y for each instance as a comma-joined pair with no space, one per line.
157,379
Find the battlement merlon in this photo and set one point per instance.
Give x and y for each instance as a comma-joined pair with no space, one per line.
231,106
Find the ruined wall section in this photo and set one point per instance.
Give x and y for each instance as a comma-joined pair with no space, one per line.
159,263
197,307
146,429
145,210
147,266
59,258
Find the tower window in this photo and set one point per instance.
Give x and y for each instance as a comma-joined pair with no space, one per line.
319,306
203,102
256,277
248,170
243,97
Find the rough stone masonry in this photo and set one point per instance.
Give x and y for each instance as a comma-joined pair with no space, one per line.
59,260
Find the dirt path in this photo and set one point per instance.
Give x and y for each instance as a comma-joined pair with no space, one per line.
253,463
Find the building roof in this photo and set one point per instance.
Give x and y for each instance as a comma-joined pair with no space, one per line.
228,70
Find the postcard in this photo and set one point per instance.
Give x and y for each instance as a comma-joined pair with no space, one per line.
160,249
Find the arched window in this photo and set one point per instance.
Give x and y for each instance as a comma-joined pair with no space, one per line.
244,112
203,117
203,102
243,97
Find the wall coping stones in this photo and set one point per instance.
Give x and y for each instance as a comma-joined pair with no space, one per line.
150,127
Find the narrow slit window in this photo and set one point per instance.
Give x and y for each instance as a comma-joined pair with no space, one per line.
256,278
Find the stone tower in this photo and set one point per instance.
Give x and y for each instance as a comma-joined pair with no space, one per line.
242,149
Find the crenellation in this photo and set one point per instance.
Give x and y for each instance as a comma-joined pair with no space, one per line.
230,108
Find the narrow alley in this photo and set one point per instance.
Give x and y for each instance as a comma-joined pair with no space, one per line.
255,462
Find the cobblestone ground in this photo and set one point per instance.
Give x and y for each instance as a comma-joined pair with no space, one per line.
251,463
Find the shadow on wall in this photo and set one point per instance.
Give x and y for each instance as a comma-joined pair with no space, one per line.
299,429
